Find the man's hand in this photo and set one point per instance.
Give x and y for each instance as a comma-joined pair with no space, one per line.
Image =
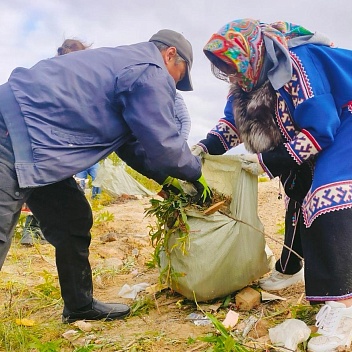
250,163
204,193
197,150
170,185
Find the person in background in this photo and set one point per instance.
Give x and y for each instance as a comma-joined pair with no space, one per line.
71,45
225,136
31,231
82,178
182,118
311,87
65,114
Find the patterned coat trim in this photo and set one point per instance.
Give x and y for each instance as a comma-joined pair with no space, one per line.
325,199
227,134
204,147
284,119
303,147
299,89
299,74
301,143
328,298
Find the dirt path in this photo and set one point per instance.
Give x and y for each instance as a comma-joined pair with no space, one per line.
119,252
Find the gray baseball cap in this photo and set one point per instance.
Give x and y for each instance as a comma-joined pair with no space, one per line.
184,49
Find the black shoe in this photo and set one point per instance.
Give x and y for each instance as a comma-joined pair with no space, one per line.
97,311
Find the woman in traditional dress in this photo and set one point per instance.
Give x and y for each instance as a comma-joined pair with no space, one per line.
258,109
311,82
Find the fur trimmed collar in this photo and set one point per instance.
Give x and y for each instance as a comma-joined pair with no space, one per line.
255,117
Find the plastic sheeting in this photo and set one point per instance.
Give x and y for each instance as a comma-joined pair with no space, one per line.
116,181
224,255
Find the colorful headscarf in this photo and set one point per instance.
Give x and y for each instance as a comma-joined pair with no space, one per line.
239,44
243,44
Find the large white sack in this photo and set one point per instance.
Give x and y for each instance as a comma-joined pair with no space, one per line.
224,255
116,181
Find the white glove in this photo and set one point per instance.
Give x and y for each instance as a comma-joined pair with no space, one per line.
197,150
250,163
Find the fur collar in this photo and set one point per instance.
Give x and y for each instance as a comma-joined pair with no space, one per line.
255,117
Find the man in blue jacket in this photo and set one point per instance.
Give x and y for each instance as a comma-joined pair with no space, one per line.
66,113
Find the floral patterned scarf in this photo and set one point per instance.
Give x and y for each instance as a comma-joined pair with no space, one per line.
243,45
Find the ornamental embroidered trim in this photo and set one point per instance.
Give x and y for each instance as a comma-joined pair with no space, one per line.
302,147
227,133
327,198
328,297
284,119
300,88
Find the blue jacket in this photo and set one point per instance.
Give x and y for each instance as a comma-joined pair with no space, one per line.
66,113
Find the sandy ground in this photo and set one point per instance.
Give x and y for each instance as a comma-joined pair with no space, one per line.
164,327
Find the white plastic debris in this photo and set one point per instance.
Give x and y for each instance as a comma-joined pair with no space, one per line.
198,319
128,291
266,296
249,323
289,334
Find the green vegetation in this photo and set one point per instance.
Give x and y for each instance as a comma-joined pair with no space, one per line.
171,220
281,228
